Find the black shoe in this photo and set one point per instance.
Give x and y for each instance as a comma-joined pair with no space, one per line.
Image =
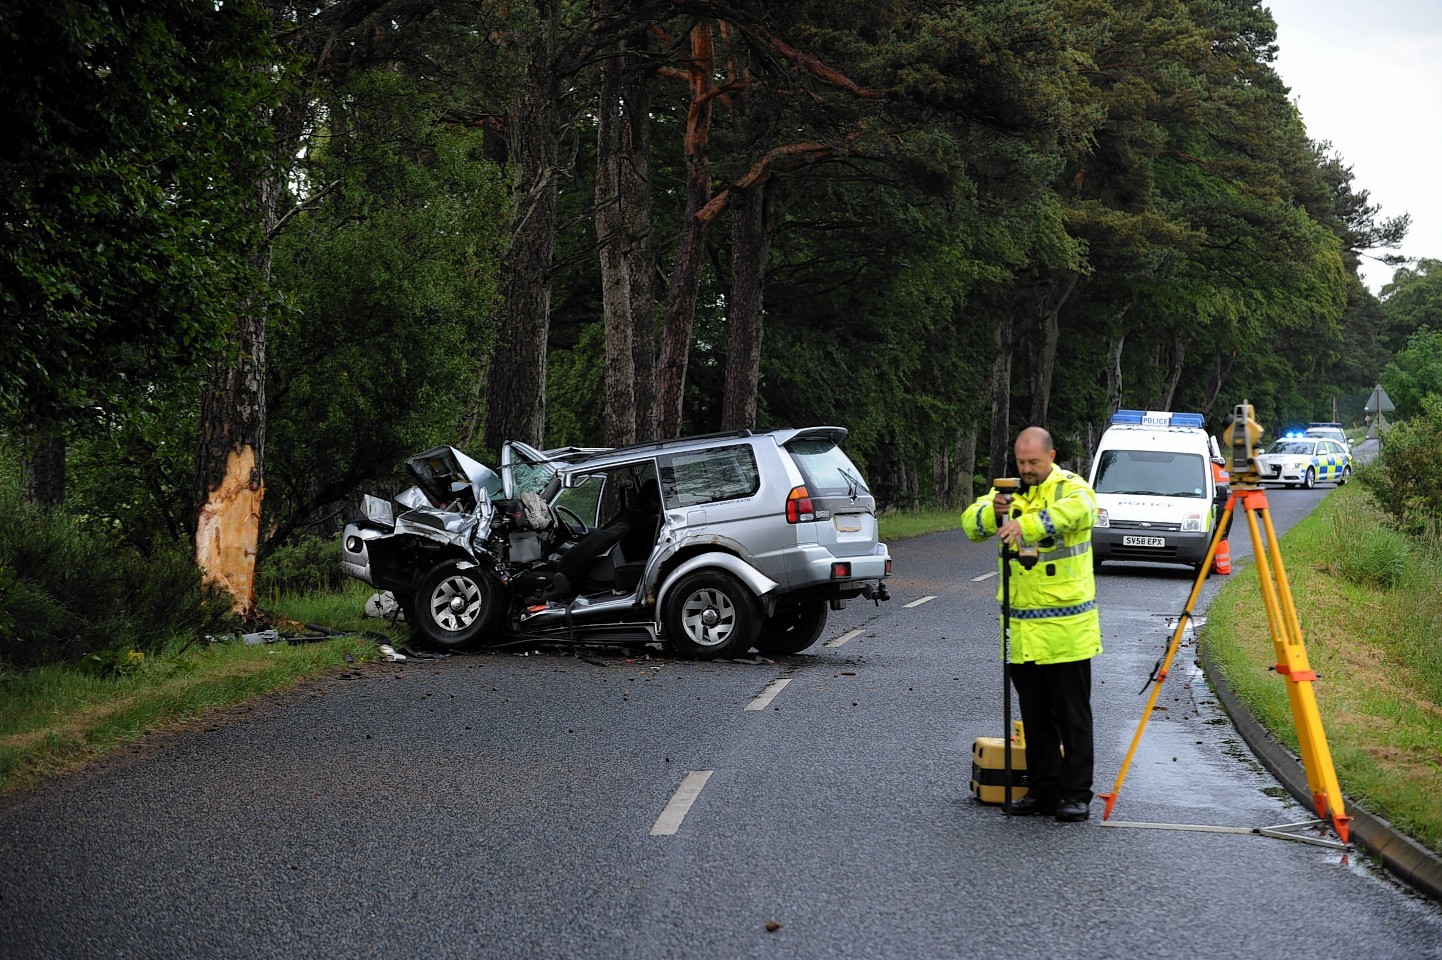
1028,805
1073,811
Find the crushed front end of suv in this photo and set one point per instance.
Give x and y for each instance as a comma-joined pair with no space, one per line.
711,545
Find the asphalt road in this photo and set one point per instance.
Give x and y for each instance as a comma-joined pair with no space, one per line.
522,806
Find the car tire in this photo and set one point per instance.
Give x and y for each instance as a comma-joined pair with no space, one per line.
1309,479
710,614
1346,475
456,607
793,628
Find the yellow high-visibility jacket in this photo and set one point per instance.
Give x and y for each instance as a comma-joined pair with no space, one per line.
1053,605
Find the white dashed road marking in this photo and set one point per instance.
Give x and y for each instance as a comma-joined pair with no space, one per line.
670,819
917,603
848,635
984,576
767,695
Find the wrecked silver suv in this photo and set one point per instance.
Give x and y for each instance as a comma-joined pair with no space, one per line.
711,545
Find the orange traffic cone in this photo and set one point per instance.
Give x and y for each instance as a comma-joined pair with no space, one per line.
1222,562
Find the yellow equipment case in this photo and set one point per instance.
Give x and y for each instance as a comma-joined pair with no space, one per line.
988,768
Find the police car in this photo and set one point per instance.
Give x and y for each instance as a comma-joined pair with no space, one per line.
1329,431
1301,461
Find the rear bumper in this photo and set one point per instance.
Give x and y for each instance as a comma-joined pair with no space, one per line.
816,568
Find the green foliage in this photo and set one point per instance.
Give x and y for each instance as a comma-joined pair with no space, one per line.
390,284
1149,150
134,485
1413,299
132,154
1415,373
1406,479
576,389
71,596
9,588
303,565
1372,554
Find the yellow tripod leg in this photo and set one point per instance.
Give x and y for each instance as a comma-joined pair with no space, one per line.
1293,666
1165,666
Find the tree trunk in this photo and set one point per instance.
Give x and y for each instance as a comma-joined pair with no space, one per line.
634,184
1114,374
691,245
1053,297
1221,369
516,380
230,459
997,458
1174,373
951,472
620,412
963,468
745,310
42,467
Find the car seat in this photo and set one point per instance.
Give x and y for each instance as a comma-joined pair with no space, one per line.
636,547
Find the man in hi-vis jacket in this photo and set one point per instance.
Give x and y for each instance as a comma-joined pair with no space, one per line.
1055,630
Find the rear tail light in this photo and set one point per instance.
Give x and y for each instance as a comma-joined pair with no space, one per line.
888,566
798,506
840,571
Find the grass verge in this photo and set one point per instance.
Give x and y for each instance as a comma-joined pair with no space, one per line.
1371,619
903,524
56,718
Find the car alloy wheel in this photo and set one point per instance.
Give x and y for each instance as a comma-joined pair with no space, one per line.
710,614
456,606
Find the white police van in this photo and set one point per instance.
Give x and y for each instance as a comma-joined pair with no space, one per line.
1157,496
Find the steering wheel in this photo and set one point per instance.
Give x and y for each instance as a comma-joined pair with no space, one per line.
574,532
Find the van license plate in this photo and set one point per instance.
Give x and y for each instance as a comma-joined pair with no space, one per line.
1144,541
848,523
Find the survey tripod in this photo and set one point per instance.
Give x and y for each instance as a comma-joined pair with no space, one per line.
1286,631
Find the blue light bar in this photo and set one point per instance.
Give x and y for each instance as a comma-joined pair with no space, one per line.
1158,418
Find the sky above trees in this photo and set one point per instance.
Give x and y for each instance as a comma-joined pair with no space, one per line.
1366,77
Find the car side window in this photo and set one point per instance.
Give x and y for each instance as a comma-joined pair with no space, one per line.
710,476
584,499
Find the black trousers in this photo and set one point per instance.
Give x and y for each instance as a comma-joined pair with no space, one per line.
1056,709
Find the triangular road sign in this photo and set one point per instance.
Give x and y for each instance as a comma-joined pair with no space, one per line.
1379,402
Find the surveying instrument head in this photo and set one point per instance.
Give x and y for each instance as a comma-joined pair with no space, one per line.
1009,485
1026,553
1241,435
